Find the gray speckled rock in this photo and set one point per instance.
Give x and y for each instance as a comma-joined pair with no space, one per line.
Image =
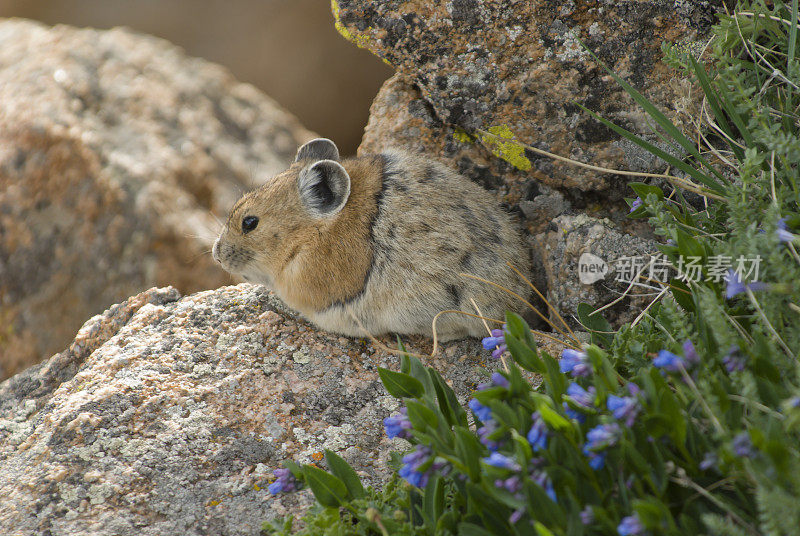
561,250
117,152
167,415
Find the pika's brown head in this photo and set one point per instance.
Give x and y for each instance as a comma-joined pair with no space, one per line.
271,226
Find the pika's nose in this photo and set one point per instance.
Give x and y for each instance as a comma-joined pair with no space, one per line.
215,250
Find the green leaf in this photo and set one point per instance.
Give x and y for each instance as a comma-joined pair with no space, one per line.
551,418
541,530
342,470
470,529
469,449
329,490
400,385
643,190
601,330
680,291
433,501
525,356
446,398
421,417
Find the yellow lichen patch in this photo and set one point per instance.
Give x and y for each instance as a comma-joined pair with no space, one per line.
213,503
462,136
360,41
502,142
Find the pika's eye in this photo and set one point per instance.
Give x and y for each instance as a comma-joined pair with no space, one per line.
249,223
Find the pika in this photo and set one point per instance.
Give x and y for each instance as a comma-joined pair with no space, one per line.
376,243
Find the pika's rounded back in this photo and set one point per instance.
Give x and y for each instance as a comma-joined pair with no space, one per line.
376,244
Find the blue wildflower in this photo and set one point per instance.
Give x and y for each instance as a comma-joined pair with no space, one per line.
783,233
742,446
572,414
412,466
482,412
636,204
541,478
502,461
603,436
709,460
497,342
736,286
488,428
498,380
516,515
630,526
668,361
574,362
537,435
624,407
285,482
398,425
512,484
734,361
690,354
587,515
794,402
596,459
581,396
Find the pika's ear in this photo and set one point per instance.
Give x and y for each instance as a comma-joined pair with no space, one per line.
318,149
324,187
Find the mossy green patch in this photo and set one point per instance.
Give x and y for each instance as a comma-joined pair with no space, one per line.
502,142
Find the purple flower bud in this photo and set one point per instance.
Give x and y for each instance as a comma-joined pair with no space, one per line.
709,460
624,408
572,414
581,396
736,286
596,459
512,484
496,342
603,436
482,412
284,482
537,436
412,466
783,233
587,515
516,515
668,361
575,362
398,425
496,459
690,354
734,361
636,204
541,478
630,526
742,446
487,430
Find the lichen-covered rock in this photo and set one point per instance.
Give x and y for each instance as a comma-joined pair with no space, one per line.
594,263
500,73
117,152
167,415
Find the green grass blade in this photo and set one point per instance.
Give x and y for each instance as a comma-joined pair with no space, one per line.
662,120
792,36
714,101
666,157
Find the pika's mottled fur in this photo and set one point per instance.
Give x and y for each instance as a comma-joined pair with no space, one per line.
382,238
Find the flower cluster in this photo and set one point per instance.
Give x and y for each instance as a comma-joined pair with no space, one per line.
496,342
575,363
285,482
414,469
398,425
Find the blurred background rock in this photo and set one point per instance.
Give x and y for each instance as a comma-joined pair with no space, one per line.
287,48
